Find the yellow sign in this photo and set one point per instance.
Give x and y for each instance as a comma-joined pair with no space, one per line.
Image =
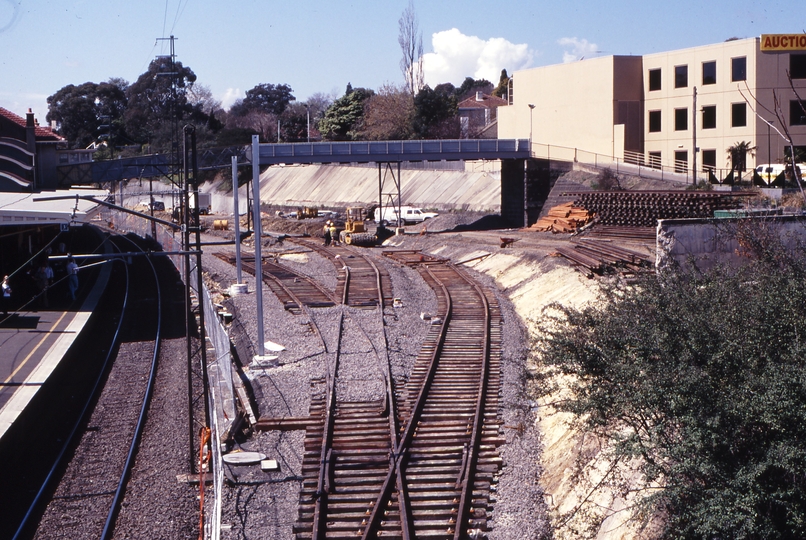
783,42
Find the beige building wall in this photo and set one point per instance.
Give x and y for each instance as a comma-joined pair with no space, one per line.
575,104
591,105
722,94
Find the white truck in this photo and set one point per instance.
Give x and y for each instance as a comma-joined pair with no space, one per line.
205,203
408,215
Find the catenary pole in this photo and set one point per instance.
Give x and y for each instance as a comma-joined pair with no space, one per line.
256,228
237,215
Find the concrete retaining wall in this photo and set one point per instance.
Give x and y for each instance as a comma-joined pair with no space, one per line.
330,185
713,241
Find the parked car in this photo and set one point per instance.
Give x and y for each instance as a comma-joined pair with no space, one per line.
408,214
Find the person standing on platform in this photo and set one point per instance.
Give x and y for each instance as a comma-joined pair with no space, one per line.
6,296
43,276
72,277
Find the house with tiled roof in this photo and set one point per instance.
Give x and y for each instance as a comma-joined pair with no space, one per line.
478,116
29,153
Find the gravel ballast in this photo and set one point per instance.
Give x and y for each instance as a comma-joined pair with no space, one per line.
264,504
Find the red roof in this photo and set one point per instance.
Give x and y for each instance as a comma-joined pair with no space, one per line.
42,133
487,102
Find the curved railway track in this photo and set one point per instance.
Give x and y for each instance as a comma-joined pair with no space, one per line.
418,462
361,282
292,289
92,482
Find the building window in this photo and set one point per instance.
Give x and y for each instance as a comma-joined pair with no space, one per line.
681,161
738,115
738,69
680,119
654,121
709,117
654,160
797,66
680,76
654,80
708,160
708,73
796,115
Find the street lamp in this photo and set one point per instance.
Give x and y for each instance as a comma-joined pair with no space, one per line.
308,113
769,150
531,110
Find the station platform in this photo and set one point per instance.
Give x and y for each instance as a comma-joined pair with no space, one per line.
32,345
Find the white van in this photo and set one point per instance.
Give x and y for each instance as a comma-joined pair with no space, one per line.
770,171
408,214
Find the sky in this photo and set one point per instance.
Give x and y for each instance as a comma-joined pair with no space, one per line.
319,46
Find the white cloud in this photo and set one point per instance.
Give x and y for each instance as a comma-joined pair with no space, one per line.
457,56
580,48
231,95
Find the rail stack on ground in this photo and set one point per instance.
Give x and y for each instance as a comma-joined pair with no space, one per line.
645,208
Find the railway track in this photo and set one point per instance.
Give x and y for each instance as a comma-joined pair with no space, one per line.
294,290
83,493
419,461
361,282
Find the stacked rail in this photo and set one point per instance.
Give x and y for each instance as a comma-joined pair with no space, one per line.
598,256
644,208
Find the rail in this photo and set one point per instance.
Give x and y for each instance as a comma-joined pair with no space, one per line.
222,394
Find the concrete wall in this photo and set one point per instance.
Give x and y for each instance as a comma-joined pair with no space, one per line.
711,242
330,185
513,192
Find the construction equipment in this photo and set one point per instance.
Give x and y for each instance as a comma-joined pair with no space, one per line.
307,212
355,230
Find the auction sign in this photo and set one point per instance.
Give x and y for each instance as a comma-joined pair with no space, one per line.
783,42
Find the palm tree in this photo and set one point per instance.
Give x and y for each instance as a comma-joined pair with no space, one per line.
737,153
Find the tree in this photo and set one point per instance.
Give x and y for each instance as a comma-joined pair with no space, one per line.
470,86
697,379
737,153
86,112
435,115
267,98
154,103
410,39
342,120
502,90
388,115
261,109
294,123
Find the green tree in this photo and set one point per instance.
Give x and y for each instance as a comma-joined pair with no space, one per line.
435,115
502,90
153,103
89,111
267,98
738,156
342,120
470,86
699,377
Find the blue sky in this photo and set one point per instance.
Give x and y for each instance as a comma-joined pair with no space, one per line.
321,45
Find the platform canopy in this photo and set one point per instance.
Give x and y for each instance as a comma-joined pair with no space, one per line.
30,209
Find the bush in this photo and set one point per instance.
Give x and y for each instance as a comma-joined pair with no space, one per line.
700,378
607,181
